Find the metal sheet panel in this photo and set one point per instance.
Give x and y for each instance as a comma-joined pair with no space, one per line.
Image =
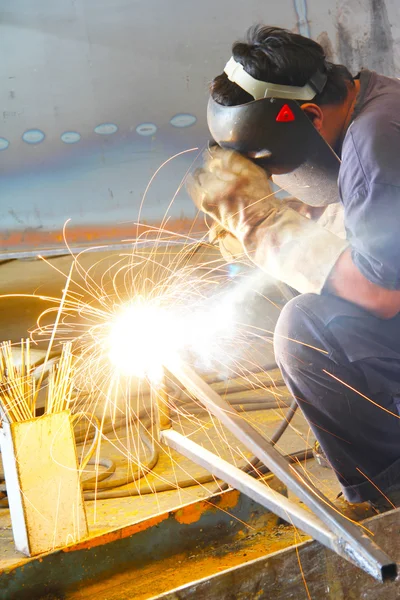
96,96
302,572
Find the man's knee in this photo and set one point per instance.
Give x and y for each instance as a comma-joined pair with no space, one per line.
296,332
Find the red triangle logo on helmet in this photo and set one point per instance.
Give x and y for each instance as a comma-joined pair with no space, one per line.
285,115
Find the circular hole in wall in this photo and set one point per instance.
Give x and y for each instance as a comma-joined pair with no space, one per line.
4,143
106,128
146,129
33,136
183,120
70,137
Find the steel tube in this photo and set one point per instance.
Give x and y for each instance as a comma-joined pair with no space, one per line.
352,541
259,492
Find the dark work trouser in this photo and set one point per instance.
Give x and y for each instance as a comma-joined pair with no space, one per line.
343,366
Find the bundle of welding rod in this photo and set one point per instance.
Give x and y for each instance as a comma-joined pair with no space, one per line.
20,382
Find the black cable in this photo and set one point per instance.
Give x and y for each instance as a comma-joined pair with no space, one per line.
276,436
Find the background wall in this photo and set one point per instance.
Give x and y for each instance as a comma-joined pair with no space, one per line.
96,94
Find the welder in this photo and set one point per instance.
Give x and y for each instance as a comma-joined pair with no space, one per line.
282,112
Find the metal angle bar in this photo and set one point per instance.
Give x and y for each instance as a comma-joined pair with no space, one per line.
259,492
352,541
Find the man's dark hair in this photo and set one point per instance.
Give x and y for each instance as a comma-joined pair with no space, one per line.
279,56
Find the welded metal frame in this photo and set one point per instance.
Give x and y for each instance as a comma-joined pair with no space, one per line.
254,489
327,524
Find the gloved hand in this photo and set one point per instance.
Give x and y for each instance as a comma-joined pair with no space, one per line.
232,190
290,247
229,246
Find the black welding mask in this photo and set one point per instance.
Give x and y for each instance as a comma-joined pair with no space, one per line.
276,134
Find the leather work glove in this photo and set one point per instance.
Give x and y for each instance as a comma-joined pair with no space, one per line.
276,235
229,246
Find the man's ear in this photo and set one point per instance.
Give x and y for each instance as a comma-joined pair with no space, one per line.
314,113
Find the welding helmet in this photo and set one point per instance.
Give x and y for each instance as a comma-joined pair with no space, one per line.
276,133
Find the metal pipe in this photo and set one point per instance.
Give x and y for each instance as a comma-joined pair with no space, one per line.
352,543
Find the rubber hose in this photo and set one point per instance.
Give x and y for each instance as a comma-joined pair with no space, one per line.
109,465
276,436
238,408
248,399
285,423
164,486
107,483
254,465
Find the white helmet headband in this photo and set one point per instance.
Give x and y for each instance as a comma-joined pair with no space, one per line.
261,89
